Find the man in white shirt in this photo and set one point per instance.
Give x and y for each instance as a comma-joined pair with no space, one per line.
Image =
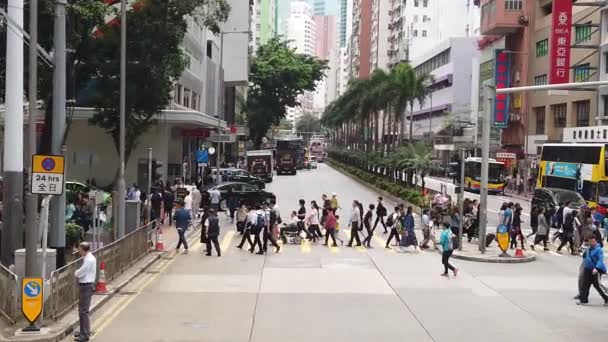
86,275
215,197
188,201
196,202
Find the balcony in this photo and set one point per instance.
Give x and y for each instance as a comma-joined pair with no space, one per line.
502,17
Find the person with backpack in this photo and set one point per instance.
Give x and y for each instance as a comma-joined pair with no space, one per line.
380,214
355,225
447,241
271,218
367,223
593,268
213,232
394,224
568,232
257,228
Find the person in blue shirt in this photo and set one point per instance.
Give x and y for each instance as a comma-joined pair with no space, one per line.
182,222
593,268
408,237
445,241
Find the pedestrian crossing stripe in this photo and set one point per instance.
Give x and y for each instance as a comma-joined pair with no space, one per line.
305,246
227,240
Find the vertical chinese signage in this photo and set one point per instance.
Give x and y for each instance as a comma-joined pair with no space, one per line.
561,28
502,72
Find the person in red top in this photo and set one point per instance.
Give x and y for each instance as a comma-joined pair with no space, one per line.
330,227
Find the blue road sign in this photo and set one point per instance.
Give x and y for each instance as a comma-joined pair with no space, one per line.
202,156
32,289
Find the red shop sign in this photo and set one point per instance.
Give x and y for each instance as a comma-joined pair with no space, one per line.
561,29
196,132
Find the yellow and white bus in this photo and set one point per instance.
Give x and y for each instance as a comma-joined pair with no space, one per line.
472,175
579,167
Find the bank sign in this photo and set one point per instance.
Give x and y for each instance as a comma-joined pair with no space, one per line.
561,29
502,79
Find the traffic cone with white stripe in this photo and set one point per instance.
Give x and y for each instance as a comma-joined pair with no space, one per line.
101,283
160,247
519,253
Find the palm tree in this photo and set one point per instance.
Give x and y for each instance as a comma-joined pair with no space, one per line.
420,161
420,91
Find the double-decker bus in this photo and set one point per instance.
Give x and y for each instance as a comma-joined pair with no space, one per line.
579,167
317,149
472,175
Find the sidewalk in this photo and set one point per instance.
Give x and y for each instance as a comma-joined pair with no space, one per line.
470,252
58,330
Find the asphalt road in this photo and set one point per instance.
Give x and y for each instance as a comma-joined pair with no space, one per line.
312,293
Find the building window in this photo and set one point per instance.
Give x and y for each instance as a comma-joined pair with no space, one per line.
582,33
540,80
513,4
424,33
540,120
415,18
605,97
542,48
582,72
416,3
425,3
582,113
425,18
178,94
559,114
415,33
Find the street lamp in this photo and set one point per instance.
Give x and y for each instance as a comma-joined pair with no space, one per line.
122,187
220,96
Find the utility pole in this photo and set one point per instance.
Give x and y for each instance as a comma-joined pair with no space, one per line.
219,106
461,198
122,187
489,94
31,226
149,209
57,233
13,136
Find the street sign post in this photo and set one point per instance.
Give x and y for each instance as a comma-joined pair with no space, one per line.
47,175
32,301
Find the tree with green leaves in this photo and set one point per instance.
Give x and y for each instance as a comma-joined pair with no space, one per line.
155,60
278,76
308,122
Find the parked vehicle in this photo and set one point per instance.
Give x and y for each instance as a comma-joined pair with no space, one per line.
260,164
246,193
238,175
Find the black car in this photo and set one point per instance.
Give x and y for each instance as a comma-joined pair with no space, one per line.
245,193
549,198
241,176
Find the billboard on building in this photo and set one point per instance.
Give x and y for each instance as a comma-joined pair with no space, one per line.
561,28
502,79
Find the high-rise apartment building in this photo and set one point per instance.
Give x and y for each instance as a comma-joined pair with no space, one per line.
380,46
417,25
360,39
325,35
263,23
301,32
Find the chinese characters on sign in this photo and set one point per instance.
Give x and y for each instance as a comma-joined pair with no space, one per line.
561,28
47,175
502,73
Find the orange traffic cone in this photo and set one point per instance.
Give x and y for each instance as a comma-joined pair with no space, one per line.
519,253
101,283
159,241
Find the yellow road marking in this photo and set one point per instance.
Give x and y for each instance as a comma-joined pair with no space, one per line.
227,240
305,247
109,317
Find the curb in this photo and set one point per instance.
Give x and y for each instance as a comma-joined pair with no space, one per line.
384,193
495,259
69,328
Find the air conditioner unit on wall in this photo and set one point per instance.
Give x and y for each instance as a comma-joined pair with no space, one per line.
524,19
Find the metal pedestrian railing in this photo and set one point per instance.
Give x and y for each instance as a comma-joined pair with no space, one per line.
9,287
118,256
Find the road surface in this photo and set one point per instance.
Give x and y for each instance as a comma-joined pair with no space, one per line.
312,293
